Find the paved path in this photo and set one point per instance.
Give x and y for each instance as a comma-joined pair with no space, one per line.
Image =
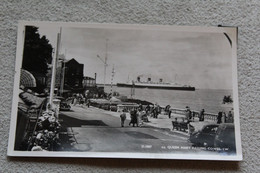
99,130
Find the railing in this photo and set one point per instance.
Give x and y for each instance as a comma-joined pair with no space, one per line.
120,108
195,114
210,116
128,107
177,111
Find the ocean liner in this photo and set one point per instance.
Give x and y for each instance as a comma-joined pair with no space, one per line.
155,85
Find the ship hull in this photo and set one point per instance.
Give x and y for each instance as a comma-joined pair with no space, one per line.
156,87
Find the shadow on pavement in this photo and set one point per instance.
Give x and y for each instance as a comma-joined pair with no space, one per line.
67,121
140,135
67,138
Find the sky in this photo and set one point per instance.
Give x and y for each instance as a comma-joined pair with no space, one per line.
198,59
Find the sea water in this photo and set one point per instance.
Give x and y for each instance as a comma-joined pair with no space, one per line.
208,99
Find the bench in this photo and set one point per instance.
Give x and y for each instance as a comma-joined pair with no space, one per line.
181,126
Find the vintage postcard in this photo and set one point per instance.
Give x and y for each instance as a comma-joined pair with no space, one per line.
125,91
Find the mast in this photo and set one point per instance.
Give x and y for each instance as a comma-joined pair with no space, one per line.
105,64
111,89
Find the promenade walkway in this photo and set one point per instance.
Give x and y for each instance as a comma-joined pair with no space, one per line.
162,122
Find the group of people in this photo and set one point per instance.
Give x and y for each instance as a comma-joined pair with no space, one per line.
190,115
153,111
222,117
225,118
80,99
140,114
137,116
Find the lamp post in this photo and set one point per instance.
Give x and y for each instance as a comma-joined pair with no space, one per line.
54,103
63,74
63,78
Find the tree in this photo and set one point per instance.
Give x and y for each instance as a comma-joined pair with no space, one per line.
37,55
37,51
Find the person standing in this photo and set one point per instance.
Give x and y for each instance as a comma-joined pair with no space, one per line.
169,114
143,118
219,118
153,113
138,117
201,116
224,117
188,113
88,103
147,109
168,110
157,110
133,117
230,117
123,118
75,100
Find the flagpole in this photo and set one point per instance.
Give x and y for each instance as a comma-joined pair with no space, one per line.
54,65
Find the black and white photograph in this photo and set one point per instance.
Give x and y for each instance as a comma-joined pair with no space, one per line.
125,91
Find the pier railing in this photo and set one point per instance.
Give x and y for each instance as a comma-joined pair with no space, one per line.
126,107
195,114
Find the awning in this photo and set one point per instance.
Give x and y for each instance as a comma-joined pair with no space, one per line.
27,79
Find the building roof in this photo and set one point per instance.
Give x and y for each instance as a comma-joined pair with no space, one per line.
73,61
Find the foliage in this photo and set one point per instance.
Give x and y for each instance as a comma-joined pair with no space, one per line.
37,51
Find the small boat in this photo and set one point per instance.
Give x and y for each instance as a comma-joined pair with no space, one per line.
227,99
